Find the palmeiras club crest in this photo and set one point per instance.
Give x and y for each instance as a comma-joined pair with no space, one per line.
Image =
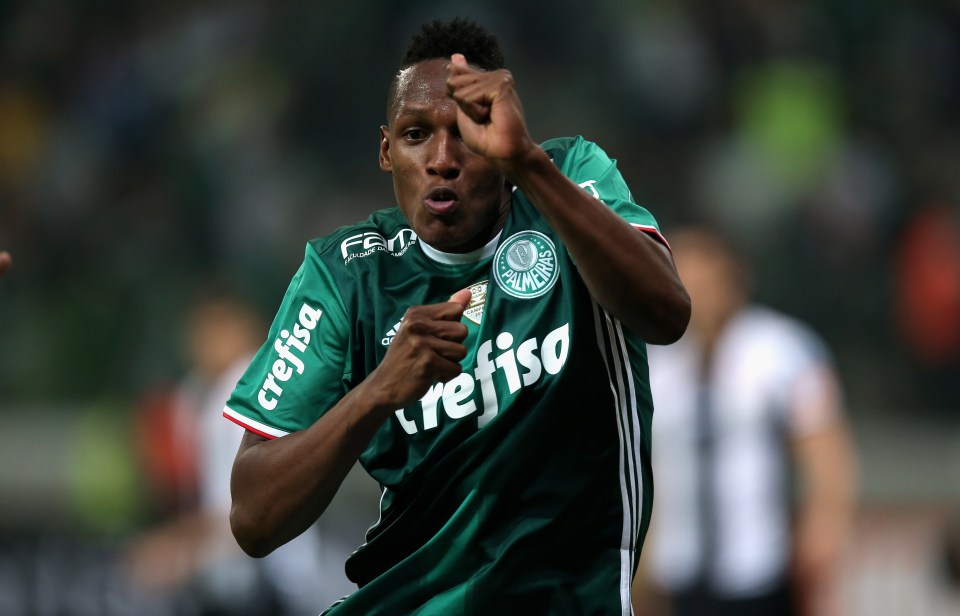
525,265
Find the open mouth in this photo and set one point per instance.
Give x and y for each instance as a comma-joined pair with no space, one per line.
441,201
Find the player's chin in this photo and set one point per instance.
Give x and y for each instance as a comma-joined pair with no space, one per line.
449,235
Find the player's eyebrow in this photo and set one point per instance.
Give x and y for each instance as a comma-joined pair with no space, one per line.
415,112
412,109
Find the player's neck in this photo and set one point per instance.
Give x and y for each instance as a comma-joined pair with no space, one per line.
458,258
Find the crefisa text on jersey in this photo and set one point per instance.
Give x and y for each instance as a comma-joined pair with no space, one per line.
457,395
286,346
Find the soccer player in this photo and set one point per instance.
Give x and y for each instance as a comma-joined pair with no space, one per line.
745,398
480,350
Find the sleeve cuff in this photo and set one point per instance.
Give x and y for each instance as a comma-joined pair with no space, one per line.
654,232
254,426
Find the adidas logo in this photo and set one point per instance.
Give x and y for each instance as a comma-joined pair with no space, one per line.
388,337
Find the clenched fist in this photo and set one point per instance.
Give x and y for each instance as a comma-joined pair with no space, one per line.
427,348
489,116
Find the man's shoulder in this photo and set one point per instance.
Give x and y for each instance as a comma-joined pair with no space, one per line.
786,336
560,148
577,155
768,320
381,227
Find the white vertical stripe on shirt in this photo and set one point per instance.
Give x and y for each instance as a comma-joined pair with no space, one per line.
627,455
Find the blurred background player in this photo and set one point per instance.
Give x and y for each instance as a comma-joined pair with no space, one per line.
192,557
5,262
745,397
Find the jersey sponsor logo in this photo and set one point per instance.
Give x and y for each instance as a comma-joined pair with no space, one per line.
287,347
478,298
521,367
590,188
366,243
525,265
388,337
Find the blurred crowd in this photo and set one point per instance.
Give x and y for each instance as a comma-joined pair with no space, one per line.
146,148
151,151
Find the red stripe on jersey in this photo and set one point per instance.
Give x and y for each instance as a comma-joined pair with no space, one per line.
250,428
654,232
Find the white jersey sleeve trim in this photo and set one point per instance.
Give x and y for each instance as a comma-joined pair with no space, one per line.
254,426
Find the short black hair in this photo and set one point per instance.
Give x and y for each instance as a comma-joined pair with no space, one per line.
441,39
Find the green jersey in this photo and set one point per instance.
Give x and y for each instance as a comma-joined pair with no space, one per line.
523,485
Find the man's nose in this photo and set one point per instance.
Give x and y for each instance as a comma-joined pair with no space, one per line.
445,155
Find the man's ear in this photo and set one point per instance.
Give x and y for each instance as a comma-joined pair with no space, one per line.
385,163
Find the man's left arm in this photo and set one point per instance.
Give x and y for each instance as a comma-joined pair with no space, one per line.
826,461
827,464
630,273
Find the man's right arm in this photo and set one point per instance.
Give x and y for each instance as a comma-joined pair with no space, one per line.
280,487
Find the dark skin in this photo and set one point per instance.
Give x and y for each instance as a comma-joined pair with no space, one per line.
456,142
422,148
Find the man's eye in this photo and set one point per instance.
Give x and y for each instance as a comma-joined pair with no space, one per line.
414,134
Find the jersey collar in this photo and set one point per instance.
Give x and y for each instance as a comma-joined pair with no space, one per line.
460,258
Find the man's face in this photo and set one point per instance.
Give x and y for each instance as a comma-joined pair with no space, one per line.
714,280
453,198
